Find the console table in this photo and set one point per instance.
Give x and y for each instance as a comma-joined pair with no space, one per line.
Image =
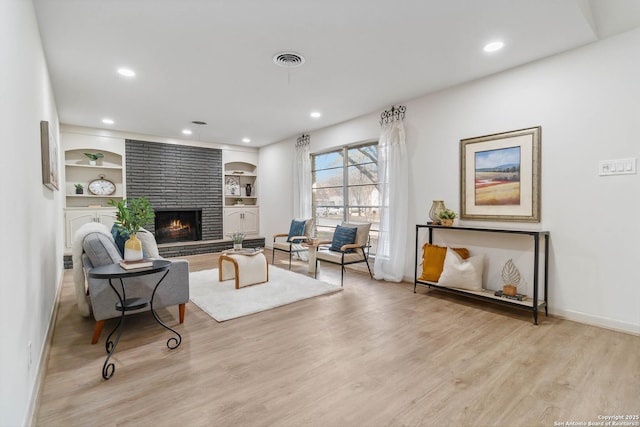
533,305
114,271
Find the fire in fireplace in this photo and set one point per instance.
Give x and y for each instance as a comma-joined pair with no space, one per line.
178,225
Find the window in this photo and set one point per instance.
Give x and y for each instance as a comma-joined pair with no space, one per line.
345,188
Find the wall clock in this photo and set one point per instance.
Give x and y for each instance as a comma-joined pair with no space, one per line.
102,187
232,184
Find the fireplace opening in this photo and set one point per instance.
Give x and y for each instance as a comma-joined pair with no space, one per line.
178,225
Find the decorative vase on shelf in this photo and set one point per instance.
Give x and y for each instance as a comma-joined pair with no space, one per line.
248,189
447,222
436,207
133,249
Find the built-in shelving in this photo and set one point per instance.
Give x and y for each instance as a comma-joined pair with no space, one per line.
86,207
241,213
79,171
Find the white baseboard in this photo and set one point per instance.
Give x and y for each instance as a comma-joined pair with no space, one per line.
599,321
44,358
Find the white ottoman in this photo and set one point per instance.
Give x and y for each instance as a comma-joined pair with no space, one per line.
248,268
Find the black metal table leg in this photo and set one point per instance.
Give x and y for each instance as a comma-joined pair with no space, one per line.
178,340
546,274
108,369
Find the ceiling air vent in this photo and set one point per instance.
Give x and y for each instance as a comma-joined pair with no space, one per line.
288,59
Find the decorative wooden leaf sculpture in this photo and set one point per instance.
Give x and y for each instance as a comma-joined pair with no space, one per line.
510,274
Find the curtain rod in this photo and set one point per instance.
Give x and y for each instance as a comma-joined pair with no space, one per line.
394,114
303,140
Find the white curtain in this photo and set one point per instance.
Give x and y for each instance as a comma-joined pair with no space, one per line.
302,179
302,186
393,176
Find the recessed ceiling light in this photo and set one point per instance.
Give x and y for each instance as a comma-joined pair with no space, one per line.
126,72
493,46
186,131
246,140
316,114
107,121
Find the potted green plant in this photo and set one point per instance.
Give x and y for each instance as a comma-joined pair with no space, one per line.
239,201
446,217
79,188
93,157
237,239
131,216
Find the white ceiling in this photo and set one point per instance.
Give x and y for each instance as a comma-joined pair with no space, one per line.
211,60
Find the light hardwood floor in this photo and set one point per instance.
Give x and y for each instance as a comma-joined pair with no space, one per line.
375,354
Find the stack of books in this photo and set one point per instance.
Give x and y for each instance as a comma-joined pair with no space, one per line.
517,297
132,265
243,251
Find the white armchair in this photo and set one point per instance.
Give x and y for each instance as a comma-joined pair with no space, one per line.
299,232
348,246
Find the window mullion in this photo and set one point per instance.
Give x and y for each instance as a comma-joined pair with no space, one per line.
345,184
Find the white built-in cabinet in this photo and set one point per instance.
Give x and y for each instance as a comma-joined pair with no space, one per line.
74,218
244,220
83,208
240,189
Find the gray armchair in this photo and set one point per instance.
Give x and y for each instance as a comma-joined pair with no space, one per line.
98,248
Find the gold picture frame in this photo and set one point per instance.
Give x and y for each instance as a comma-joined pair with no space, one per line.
49,150
500,176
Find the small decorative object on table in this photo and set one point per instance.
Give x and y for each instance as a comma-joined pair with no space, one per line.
93,157
510,278
237,239
79,188
436,207
516,296
131,216
133,265
446,217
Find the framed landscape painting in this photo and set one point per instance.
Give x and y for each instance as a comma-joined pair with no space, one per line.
500,176
49,147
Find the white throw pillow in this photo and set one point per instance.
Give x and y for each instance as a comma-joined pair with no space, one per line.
460,273
149,246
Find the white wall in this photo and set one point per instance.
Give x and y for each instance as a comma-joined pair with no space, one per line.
588,104
31,214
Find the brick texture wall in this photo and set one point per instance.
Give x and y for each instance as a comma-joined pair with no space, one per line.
177,176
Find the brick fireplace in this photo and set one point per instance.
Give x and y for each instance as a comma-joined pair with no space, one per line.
179,178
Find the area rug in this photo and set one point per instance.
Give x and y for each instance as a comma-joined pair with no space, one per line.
222,301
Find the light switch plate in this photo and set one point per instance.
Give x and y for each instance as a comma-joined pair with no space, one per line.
617,167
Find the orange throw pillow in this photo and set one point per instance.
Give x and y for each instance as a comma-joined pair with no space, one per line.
433,260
